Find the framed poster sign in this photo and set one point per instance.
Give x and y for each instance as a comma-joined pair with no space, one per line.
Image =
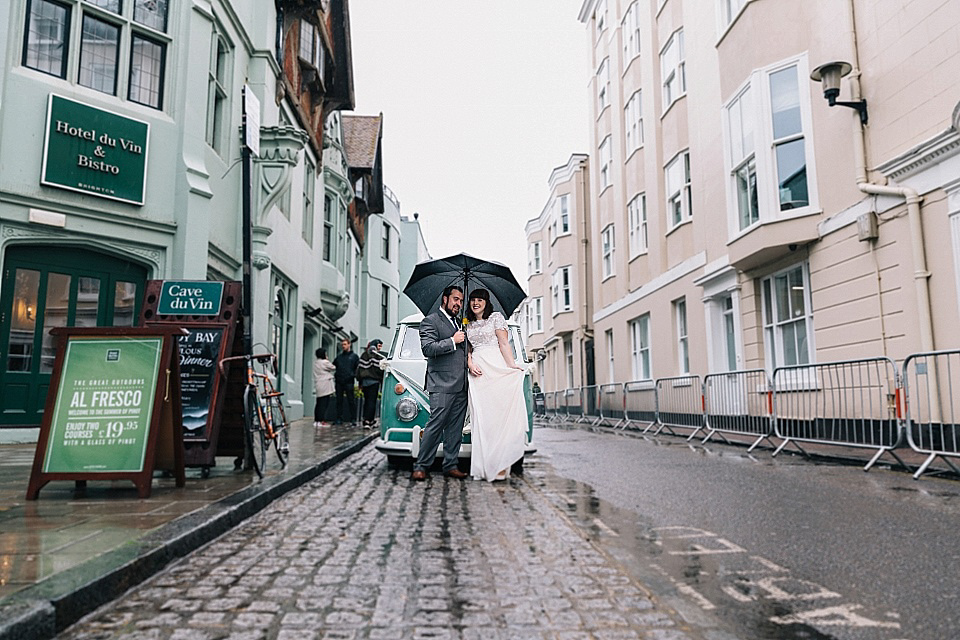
200,351
113,410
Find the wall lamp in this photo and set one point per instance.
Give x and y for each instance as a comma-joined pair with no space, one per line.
828,75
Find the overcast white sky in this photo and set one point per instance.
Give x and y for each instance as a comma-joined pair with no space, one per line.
481,100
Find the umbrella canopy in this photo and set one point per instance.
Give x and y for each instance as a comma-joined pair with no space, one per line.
430,278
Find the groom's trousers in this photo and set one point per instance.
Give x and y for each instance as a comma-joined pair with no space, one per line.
447,411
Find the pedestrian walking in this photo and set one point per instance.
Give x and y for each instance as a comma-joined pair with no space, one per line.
370,376
346,367
323,387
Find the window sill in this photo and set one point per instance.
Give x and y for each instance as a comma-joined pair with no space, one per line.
794,214
670,106
633,153
638,255
678,226
607,277
729,26
604,189
602,111
626,69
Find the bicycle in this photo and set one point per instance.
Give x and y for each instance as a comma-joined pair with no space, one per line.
263,415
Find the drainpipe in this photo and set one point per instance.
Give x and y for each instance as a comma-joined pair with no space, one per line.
913,199
585,248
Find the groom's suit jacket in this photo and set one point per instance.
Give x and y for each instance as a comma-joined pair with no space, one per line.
446,364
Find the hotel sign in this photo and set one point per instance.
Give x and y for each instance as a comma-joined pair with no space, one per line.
95,151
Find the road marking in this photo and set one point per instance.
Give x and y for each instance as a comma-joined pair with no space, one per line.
686,589
839,616
699,550
600,524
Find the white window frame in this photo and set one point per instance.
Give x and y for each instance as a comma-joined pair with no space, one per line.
730,10
603,86
775,330
742,160
758,111
562,290
605,161
637,220
607,250
385,242
563,217
600,16
568,362
633,123
534,265
309,199
683,337
673,72
535,314
640,355
678,189
630,30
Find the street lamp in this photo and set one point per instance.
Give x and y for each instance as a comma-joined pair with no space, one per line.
828,75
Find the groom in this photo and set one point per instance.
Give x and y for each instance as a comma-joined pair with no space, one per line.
445,347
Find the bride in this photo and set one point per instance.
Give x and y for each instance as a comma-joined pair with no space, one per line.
498,411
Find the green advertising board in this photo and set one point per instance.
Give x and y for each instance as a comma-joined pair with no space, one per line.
190,297
104,405
94,151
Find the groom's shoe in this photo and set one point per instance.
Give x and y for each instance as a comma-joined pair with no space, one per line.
419,474
455,473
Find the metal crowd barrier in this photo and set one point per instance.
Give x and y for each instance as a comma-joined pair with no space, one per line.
931,382
850,403
680,404
610,401
551,405
570,403
591,405
738,402
640,403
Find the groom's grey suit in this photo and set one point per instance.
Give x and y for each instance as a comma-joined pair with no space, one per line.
447,385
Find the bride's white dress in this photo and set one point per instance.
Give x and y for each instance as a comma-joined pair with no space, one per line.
498,411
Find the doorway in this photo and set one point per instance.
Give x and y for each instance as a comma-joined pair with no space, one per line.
46,286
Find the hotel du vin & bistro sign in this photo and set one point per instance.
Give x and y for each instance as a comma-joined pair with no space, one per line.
95,151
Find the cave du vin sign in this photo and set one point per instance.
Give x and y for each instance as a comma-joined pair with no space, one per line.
95,151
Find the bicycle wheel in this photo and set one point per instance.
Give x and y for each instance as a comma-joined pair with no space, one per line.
256,432
281,431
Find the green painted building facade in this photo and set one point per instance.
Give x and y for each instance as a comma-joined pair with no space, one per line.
119,163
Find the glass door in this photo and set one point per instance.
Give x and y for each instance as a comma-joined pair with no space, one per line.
46,287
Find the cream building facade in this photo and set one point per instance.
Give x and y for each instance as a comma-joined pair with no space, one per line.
557,314
737,220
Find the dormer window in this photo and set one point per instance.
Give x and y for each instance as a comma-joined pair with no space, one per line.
311,54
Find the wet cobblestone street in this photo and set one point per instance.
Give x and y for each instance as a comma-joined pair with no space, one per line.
364,553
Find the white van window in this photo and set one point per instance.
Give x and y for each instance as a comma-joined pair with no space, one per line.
410,346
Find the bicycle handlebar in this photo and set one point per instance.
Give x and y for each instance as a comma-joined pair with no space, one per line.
260,357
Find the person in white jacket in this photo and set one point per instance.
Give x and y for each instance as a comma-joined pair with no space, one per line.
323,387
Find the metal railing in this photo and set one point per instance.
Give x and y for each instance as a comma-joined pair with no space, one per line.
680,404
738,402
853,403
610,401
640,403
931,382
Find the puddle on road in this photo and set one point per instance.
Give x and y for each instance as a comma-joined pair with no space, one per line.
710,579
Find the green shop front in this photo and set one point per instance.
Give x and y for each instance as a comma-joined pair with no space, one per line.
54,278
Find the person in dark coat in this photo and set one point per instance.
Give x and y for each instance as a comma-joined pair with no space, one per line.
370,376
343,378
444,345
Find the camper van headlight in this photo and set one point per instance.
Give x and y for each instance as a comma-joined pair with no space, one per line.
407,409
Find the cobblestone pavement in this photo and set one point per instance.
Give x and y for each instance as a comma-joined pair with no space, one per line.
364,553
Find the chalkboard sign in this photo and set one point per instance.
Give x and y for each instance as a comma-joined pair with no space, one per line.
199,355
113,409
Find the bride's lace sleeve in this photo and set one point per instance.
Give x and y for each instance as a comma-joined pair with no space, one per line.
498,320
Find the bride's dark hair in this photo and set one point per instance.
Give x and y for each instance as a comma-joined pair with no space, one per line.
484,295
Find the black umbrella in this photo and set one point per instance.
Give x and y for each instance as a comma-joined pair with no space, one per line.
430,278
